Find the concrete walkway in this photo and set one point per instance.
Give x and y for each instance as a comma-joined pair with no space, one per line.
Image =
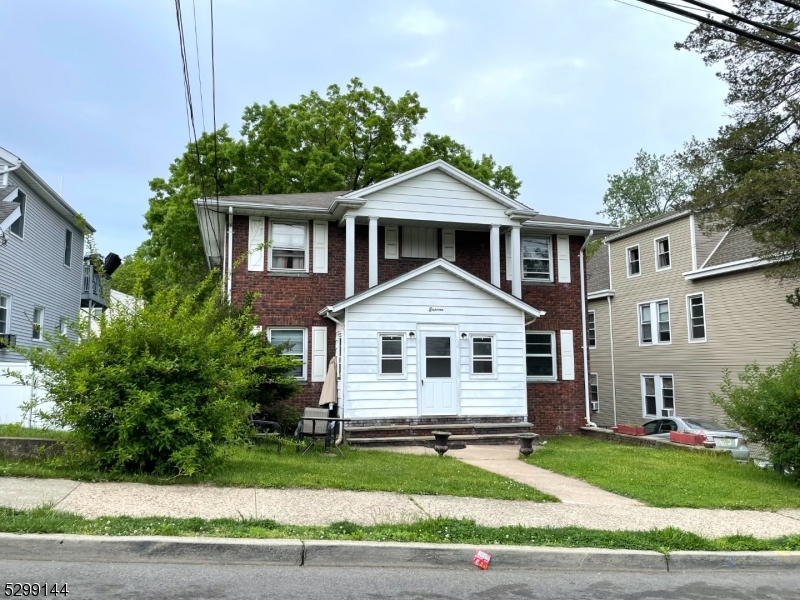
323,507
504,460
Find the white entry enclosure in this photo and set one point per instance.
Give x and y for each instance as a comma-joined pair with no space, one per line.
438,391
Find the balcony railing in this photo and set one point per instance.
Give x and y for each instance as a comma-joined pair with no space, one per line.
94,287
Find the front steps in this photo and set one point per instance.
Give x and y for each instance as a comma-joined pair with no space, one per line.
419,432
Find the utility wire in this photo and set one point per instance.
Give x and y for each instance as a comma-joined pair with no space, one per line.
655,12
742,19
214,111
199,71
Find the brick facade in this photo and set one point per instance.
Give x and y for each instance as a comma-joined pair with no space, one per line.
294,300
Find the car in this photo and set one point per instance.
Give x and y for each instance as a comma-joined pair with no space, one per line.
723,437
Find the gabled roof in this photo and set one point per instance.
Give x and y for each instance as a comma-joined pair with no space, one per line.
310,200
738,244
648,223
457,174
598,278
436,264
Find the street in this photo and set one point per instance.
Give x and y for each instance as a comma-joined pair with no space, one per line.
142,581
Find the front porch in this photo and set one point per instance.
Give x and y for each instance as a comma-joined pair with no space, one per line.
419,431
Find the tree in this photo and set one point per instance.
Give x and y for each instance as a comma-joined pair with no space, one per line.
344,140
754,164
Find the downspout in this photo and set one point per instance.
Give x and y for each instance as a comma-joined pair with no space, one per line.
613,374
328,315
583,322
230,251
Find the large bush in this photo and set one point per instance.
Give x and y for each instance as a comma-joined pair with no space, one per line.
163,385
766,406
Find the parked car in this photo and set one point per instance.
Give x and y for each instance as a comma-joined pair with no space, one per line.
723,437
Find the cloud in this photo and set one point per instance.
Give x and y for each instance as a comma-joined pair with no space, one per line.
421,21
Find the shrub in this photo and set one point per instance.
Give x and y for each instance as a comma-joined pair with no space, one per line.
766,406
163,385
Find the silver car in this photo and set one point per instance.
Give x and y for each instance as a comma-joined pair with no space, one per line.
722,436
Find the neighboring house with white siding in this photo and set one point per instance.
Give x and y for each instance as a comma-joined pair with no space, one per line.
41,271
446,303
673,306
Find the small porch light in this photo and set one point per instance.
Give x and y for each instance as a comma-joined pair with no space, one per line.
411,334
463,336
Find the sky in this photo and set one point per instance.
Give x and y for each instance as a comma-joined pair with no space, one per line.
564,91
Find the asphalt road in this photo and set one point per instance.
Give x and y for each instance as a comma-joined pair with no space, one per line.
110,581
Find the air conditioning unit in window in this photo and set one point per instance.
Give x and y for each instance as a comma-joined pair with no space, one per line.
668,412
595,405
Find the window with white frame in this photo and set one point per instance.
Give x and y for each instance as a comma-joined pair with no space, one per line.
537,258
392,361
696,313
294,344
38,323
654,323
658,396
18,226
634,264
483,355
591,330
594,391
540,354
288,250
63,325
68,248
5,309
662,254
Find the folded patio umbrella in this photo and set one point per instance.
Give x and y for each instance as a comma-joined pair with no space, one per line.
328,395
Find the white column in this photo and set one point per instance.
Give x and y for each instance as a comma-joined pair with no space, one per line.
494,253
373,251
516,273
350,256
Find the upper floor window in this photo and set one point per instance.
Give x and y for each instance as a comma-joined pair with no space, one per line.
696,313
634,266
392,354
5,305
294,342
18,226
482,355
592,332
68,248
38,323
420,242
662,254
540,354
289,246
537,258
63,325
659,311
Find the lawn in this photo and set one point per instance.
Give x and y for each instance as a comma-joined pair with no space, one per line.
261,466
46,520
668,477
14,430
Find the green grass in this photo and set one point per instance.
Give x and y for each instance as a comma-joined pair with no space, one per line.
15,430
46,520
669,477
261,466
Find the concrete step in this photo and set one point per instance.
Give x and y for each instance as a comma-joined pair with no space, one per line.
485,438
447,427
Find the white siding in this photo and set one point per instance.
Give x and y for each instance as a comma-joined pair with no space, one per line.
406,307
435,197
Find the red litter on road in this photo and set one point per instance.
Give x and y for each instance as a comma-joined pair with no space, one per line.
481,559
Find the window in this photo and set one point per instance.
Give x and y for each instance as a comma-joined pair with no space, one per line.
594,392
420,242
592,332
540,355
659,310
288,249
5,305
68,248
17,226
38,323
438,357
696,313
392,354
658,396
63,325
482,355
294,341
537,260
662,254
634,267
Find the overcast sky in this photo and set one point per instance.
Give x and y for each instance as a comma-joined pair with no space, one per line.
564,91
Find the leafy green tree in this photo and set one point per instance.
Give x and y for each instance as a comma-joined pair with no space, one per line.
163,385
757,169
766,406
344,140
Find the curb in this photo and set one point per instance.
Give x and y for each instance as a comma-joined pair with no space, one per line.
322,553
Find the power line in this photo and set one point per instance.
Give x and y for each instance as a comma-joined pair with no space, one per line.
199,71
742,19
655,12
214,111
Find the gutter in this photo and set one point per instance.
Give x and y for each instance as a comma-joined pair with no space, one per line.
583,322
731,267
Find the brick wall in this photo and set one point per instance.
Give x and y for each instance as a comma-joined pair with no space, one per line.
296,300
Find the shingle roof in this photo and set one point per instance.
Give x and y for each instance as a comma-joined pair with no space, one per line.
738,244
303,200
597,271
6,191
648,223
6,208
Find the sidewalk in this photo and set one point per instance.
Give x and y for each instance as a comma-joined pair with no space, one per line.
322,507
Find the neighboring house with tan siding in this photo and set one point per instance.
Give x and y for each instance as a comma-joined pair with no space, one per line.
672,307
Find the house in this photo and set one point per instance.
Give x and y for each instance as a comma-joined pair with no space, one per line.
671,307
42,271
444,301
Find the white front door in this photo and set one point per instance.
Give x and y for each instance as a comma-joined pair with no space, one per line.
438,390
